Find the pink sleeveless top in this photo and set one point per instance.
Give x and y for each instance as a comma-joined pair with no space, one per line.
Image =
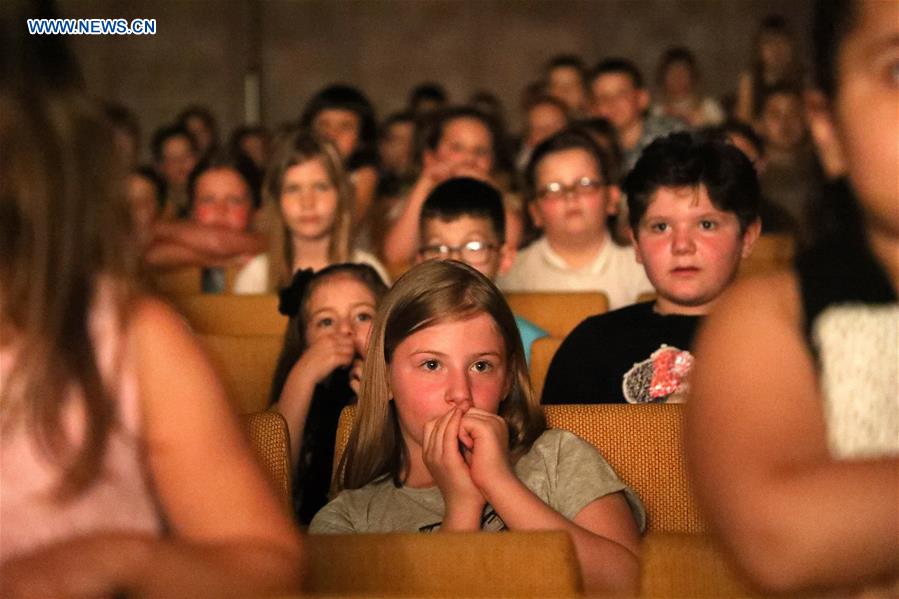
119,500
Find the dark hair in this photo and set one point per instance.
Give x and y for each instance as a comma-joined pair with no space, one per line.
424,92
121,118
566,61
833,20
434,126
567,139
620,66
674,55
149,173
404,116
684,160
204,114
601,129
215,163
540,99
345,97
464,196
241,133
295,336
167,132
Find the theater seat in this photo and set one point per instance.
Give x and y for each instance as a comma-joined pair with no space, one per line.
641,442
557,313
509,564
687,565
173,283
226,314
246,365
542,352
269,437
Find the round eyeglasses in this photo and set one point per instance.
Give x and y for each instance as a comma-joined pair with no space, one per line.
473,252
556,191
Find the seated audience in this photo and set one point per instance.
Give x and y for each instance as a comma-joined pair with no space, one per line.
463,219
126,132
319,368
202,126
544,117
792,177
175,156
793,428
570,198
222,197
124,472
342,115
694,216
678,81
565,80
774,64
618,94
459,142
774,218
427,98
449,437
251,142
310,200
145,191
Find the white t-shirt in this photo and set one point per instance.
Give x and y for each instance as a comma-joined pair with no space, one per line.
253,277
615,272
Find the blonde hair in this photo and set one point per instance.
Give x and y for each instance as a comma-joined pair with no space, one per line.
297,147
431,293
64,229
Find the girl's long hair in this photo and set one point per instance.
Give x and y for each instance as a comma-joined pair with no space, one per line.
429,294
297,147
64,228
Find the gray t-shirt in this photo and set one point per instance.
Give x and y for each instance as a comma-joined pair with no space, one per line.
563,470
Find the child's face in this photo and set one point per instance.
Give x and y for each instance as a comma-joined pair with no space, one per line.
340,127
782,121
569,213
396,146
200,132
678,79
466,142
565,83
616,99
865,110
308,200
458,233
451,364
776,51
178,159
340,305
689,248
222,198
543,121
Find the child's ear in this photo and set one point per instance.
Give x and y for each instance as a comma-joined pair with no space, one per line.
613,199
633,237
534,211
507,255
643,99
750,236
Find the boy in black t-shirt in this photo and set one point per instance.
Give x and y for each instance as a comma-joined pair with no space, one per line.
694,217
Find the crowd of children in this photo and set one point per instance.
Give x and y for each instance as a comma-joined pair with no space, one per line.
790,379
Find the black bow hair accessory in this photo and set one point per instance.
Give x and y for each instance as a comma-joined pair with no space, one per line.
289,297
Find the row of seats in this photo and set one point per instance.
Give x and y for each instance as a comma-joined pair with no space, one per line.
643,445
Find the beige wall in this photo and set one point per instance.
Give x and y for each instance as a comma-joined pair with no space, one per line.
203,47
